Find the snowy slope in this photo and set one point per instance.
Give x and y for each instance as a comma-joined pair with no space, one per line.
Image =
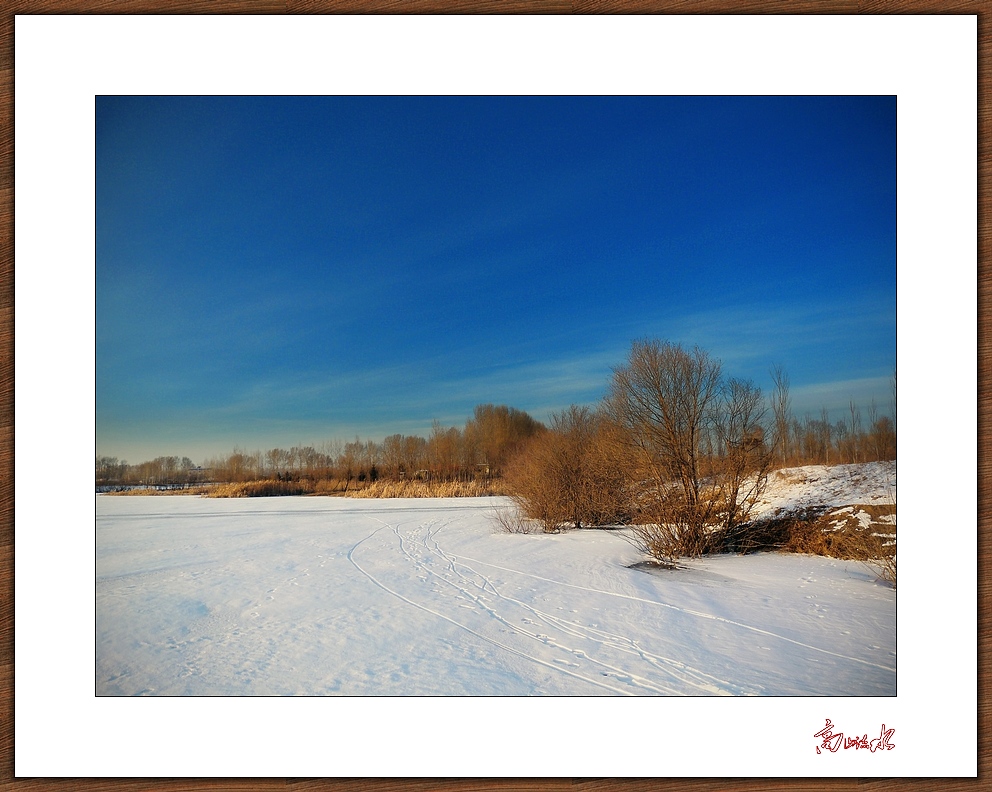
315,596
821,485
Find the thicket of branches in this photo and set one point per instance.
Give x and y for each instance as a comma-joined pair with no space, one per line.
571,474
675,450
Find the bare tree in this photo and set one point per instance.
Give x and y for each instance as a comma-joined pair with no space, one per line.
349,461
495,432
882,439
663,401
444,452
856,436
392,456
782,412
825,434
741,470
414,454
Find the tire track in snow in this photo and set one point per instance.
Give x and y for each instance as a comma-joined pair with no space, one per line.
683,675
689,611
571,629
679,671
621,673
493,641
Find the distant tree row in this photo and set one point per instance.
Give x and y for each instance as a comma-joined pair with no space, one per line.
165,471
817,441
489,439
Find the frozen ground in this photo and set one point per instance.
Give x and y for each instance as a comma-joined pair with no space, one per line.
315,596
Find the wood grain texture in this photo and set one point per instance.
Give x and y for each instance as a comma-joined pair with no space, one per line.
714,7
7,670
429,7
984,390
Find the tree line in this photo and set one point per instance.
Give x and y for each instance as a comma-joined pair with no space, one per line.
675,447
480,449
164,471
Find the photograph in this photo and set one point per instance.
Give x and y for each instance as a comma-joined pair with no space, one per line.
497,396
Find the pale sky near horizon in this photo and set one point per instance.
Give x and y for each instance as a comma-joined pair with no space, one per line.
278,271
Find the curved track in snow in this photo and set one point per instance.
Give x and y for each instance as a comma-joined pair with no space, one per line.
433,580
699,614
315,597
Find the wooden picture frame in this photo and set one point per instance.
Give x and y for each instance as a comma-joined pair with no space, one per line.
7,417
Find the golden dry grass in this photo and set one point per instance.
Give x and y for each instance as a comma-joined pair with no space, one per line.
863,533
851,532
333,487
411,488
260,489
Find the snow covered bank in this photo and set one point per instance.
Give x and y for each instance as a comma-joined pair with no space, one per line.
314,596
790,489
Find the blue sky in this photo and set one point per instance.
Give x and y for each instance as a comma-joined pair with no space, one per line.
278,271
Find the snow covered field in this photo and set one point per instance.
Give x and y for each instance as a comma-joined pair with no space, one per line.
315,596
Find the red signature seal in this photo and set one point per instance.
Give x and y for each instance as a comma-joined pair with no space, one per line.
833,742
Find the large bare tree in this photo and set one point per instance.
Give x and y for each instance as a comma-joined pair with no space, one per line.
664,400
696,443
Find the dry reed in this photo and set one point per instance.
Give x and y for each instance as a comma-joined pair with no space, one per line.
413,488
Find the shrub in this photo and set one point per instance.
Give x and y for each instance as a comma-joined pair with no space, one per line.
566,476
673,539
511,521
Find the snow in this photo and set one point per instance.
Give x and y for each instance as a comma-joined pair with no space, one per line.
795,488
312,596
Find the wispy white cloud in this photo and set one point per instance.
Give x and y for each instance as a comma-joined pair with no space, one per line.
836,397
